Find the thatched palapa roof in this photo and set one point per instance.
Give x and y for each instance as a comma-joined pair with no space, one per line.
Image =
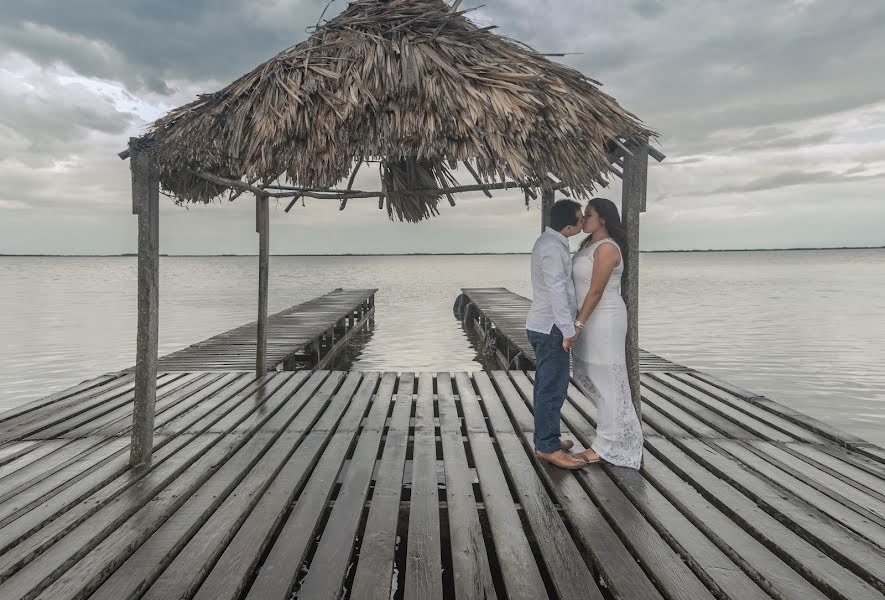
413,84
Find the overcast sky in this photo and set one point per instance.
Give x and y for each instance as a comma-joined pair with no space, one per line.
771,113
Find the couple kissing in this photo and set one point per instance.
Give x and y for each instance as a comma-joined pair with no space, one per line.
578,316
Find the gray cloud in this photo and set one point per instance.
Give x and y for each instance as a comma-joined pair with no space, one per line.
775,138
46,130
792,178
694,66
45,121
147,45
752,98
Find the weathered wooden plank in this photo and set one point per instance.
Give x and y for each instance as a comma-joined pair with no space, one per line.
15,450
213,513
83,528
41,403
746,551
231,573
472,574
728,421
87,573
569,573
212,473
704,558
336,545
861,461
590,518
802,556
832,486
856,553
46,523
519,570
121,417
688,420
106,551
781,410
281,568
176,404
871,450
38,420
33,576
686,382
374,570
423,552
846,471
34,454
795,487
206,405
657,423
46,466
96,415
28,498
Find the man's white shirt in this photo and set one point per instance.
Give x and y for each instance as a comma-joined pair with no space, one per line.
553,293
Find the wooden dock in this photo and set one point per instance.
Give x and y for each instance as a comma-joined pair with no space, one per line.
498,316
424,486
308,334
326,484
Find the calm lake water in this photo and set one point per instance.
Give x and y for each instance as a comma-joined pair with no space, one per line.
806,328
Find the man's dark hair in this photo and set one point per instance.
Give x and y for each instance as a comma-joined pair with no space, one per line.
564,213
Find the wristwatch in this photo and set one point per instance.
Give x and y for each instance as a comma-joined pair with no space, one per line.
578,324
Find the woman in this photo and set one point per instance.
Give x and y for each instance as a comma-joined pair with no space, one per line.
598,355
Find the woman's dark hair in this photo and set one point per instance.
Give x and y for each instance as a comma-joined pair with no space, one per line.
564,213
609,215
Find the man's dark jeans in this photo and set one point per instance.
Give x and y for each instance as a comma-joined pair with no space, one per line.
551,386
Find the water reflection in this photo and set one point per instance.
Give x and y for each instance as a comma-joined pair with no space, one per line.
354,348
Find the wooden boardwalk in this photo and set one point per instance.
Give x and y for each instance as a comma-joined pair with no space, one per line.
505,312
307,333
381,485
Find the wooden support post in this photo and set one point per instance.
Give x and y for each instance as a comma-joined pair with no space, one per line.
548,197
146,204
632,201
263,227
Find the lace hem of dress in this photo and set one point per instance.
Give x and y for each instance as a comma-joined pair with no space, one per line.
626,449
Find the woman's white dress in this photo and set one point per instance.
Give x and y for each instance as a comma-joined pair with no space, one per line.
600,365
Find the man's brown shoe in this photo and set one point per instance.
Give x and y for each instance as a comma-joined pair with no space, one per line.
566,444
561,459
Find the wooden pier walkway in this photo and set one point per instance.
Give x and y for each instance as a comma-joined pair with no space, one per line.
424,486
305,334
503,313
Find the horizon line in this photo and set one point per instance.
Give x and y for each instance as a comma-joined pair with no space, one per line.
234,255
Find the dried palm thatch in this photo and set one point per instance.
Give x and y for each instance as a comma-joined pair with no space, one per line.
413,84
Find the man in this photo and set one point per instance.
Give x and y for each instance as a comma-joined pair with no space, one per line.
551,330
